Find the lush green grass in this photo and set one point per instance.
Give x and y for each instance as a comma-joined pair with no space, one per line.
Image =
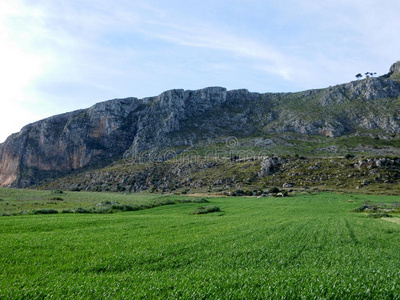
18,201
302,247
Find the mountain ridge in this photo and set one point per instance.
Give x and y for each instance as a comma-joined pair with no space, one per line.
182,119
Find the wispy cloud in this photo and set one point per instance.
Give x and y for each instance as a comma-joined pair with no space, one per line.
63,55
18,69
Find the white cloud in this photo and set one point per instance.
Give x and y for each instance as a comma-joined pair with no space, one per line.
210,38
18,69
64,55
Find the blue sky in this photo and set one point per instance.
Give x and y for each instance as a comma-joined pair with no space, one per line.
62,55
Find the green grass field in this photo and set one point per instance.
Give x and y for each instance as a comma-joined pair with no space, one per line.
301,247
20,202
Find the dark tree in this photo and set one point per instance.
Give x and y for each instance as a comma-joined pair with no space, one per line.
370,74
358,76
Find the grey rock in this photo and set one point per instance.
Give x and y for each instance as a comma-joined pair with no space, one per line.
287,185
270,165
394,70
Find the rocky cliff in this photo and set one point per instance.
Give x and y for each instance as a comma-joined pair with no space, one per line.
68,142
179,119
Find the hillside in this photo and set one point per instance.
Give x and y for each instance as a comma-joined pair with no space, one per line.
360,117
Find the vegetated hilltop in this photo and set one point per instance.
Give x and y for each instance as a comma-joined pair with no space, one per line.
361,117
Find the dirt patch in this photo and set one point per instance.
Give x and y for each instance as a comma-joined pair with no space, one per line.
393,220
204,195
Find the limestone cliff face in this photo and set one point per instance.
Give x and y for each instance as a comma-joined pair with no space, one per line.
180,119
68,142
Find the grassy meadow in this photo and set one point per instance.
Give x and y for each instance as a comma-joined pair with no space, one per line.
302,247
22,202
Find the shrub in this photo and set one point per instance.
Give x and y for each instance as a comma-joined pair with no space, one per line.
360,208
379,215
97,188
206,210
45,211
202,200
103,210
123,207
67,211
57,198
105,203
167,202
274,190
81,210
57,192
239,192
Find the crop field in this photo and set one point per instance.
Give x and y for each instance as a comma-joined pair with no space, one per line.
22,202
308,246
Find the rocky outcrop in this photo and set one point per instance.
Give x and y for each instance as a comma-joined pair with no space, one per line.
179,119
394,72
68,142
270,165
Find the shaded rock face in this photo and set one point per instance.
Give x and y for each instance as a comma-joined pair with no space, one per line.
177,118
68,142
394,69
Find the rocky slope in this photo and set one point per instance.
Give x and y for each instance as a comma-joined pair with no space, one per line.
182,120
224,175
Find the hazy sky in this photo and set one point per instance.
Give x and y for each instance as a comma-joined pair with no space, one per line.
62,55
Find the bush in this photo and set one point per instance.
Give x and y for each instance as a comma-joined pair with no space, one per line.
103,210
249,193
81,210
206,210
379,215
274,190
123,207
194,200
45,211
360,208
75,189
348,156
105,203
57,192
239,193
202,200
67,211
166,202
57,198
